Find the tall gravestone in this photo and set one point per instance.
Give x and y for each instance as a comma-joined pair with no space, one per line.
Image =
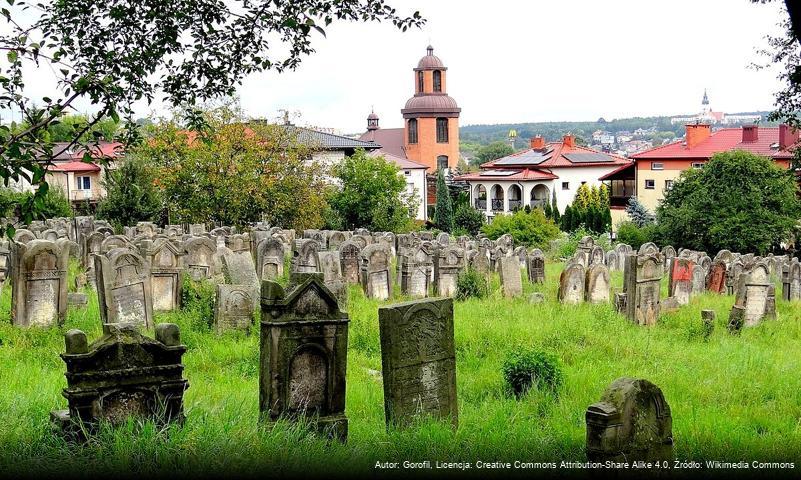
304,347
123,289
304,256
572,284
598,284
680,280
418,360
270,259
716,278
450,262
791,281
39,283
415,264
331,268
632,422
509,270
349,254
375,273
233,307
123,374
535,263
166,271
198,258
238,269
752,293
644,275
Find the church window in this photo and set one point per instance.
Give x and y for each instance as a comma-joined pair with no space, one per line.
442,130
420,82
413,130
437,81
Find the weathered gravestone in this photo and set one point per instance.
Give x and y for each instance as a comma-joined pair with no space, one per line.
39,283
752,293
335,239
644,274
791,281
304,256
716,278
680,280
349,254
238,269
449,263
698,280
332,276
418,361
632,422
481,261
5,254
199,257
598,284
416,264
509,270
304,344
166,272
233,307
375,274
584,250
571,284
122,374
123,289
612,260
23,235
270,259
535,263
597,256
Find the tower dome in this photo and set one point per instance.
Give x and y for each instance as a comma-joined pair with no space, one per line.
430,61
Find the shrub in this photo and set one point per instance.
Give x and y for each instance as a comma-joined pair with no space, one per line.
471,284
131,195
566,248
630,233
444,214
638,213
468,219
198,299
524,368
529,229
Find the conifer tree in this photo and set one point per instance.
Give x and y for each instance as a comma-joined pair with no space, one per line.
444,212
555,209
548,212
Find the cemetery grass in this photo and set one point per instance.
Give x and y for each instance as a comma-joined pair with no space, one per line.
732,397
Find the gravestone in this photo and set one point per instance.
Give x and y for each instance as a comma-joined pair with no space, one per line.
165,273
335,239
752,293
418,360
698,280
270,259
115,241
597,256
23,235
122,374
123,289
612,260
449,263
509,270
680,280
644,274
197,229
791,281
632,422
716,278
584,250
649,248
5,254
238,269
770,303
304,256
39,283
332,276
444,239
198,258
535,263
481,261
233,307
304,347
572,284
416,264
349,254
375,274
597,284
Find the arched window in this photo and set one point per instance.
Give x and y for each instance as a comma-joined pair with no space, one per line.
413,130
437,81
442,130
420,82
442,162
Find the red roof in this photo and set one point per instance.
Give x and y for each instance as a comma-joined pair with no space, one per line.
556,158
390,139
502,175
75,166
723,140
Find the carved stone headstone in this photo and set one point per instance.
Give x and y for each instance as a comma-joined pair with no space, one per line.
509,270
632,422
535,263
198,258
716,278
349,254
418,360
304,256
698,280
791,281
233,307
680,280
644,273
304,345
449,263
123,289
598,284
238,269
752,293
375,273
165,273
39,283
416,264
572,284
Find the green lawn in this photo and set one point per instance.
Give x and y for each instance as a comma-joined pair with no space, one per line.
732,397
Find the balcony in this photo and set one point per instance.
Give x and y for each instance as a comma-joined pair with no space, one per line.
481,204
619,201
497,205
515,204
81,195
537,203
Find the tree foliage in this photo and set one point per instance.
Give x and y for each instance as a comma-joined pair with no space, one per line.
738,201
371,194
638,213
590,209
444,212
131,194
531,229
493,151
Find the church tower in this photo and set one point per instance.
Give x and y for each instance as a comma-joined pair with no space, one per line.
431,117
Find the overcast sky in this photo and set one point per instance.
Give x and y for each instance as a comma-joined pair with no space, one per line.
519,61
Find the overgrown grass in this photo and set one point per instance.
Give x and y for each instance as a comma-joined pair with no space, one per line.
732,397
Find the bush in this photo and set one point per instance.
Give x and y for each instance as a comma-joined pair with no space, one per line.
471,284
528,229
468,219
198,299
630,233
567,247
524,368
53,204
131,194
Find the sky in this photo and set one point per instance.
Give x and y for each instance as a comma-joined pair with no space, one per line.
526,61
512,61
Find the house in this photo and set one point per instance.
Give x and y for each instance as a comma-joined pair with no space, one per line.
532,176
655,170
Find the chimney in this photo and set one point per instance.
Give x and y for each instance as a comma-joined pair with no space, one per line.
750,133
569,140
537,142
788,136
697,133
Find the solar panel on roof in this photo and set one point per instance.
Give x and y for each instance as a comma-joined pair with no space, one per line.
498,173
588,157
529,157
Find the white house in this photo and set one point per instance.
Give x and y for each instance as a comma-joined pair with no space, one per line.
531,176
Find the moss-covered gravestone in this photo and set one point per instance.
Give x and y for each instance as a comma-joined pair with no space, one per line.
123,288
418,361
631,422
304,348
122,374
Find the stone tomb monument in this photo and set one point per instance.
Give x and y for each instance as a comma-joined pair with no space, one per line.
233,307
39,283
122,374
449,263
572,284
375,274
123,289
304,347
415,264
238,269
418,361
644,274
509,270
752,293
165,273
631,422
199,257
270,259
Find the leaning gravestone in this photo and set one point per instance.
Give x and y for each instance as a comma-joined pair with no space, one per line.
375,276
233,307
632,422
644,275
123,374
123,289
304,347
418,361
509,270
571,284
597,284
39,283
716,278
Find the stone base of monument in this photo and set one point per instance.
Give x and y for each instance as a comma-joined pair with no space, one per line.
670,304
74,429
333,427
76,299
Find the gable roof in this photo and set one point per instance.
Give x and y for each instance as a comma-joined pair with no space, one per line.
721,140
330,141
389,139
74,166
557,155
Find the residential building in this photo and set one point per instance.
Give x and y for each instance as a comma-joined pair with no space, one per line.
531,176
707,115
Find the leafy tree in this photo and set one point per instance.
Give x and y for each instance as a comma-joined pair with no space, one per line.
468,219
738,201
131,194
638,213
493,151
632,234
444,212
530,229
372,194
53,203
114,54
